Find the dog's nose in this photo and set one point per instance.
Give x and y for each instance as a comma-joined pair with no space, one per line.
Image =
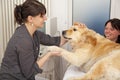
63,32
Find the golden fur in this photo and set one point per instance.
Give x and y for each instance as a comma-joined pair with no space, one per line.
94,54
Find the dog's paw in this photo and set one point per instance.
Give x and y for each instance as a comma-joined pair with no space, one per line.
53,48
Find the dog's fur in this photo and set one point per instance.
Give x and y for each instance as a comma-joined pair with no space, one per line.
94,54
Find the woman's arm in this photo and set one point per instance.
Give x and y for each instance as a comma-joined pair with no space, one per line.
41,61
49,41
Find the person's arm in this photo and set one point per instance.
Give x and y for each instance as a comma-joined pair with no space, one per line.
49,41
41,61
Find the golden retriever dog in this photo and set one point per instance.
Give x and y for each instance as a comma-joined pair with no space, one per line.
97,56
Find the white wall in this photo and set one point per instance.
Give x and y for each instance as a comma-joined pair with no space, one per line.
115,9
62,9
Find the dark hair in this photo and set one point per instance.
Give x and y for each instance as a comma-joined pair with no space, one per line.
115,23
28,8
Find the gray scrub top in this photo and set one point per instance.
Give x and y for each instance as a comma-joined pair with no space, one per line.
22,52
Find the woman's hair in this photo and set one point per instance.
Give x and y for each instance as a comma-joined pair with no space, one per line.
115,23
28,8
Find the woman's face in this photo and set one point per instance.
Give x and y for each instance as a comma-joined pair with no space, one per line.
111,33
39,20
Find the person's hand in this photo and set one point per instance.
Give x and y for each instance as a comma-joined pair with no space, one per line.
54,53
54,50
80,24
63,41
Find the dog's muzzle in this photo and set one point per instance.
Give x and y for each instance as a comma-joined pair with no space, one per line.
64,33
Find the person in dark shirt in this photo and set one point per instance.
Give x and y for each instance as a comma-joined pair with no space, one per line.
20,61
112,30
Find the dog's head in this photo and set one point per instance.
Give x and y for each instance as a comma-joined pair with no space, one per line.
80,34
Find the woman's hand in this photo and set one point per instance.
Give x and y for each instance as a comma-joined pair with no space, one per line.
54,53
63,41
41,61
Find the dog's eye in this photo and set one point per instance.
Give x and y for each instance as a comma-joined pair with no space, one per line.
74,29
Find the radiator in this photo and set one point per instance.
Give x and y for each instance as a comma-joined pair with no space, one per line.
7,17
